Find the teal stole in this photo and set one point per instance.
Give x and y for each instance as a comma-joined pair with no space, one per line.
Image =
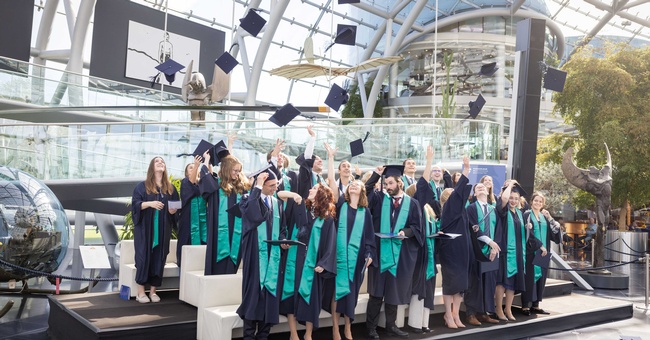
224,247
493,224
390,247
435,190
347,252
432,228
269,266
511,261
310,261
286,180
198,224
290,268
540,230
154,242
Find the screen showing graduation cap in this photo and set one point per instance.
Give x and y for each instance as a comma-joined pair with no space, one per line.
336,97
169,69
284,115
226,62
476,106
252,22
554,79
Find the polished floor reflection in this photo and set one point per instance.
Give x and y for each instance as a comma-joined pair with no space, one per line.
27,319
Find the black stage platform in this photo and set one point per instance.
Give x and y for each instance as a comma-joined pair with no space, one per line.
106,316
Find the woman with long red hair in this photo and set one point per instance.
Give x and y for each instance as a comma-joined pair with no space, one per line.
152,219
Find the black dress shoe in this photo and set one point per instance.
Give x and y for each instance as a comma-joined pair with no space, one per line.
372,334
426,330
415,330
526,312
538,310
397,332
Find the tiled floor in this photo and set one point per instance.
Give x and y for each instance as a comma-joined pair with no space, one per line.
27,319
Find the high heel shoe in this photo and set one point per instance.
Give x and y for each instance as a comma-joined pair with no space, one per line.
450,323
510,316
459,323
501,316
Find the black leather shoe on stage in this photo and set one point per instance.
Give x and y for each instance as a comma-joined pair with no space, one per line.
426,330
372,334
415,330
526,312
538,310
397,332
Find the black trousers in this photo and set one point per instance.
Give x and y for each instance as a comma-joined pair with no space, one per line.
372,314
253,326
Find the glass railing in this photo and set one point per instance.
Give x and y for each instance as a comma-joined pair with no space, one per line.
118,150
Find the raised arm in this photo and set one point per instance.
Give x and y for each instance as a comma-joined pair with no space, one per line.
427,167
331,181
505,195
275,153
309,149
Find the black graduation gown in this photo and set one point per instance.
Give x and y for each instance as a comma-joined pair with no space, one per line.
309,311
150,263
209,187
346,304
480,295
305,176
516,281
189,191
396,290
258,303
295,215
535,290
430,196
425,289
455,254
292,178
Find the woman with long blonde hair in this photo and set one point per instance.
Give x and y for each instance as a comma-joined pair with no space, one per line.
152,219
224,228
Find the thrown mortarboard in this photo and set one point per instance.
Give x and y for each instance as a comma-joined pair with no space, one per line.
476,106
226,62
488,70
252,22
341,2
169,68
393,170
336,97
345,35
356,146
235,210
554,79
518,188
270,169
284,115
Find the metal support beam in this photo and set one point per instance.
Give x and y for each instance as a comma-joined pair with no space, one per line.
575,277
516,6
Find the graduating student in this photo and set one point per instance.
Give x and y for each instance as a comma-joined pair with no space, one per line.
192,225
390,278
511,274
288,180
454,253
152,219
224,229
317,262
409,172
438,179
424,277
545,229
355,250
485,232
311,167
262,219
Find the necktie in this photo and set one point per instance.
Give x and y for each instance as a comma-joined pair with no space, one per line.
485,211
486,224
396,201
266,201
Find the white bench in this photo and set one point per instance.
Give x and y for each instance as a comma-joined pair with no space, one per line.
127,267
191,271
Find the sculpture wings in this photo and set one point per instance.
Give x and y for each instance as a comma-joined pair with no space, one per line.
301,71
582,178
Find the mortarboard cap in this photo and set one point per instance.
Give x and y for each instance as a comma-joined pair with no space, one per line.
349,2
346,34
220,151
488,70
169,68
337,97
542,261
356,147
518,188
476,106
252,22
270,169
393,170
204,146
284,115
554,79
226,62
235,210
